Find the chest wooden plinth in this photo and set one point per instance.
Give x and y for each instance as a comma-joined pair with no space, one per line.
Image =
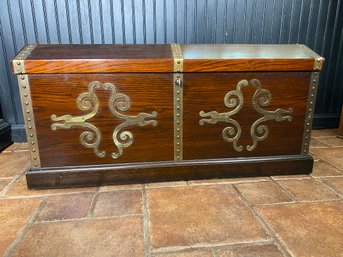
114,114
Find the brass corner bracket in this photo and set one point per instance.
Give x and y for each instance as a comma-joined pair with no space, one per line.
18,61
318,60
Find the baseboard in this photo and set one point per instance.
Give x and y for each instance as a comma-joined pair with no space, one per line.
325,121
18,133
128,173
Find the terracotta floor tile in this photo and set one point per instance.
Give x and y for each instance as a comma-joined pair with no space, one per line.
335,183
22,147
308,230
61,207
331,141
323,169
166,184
14,214
334,156
4,183
19,188
118,203
263,193
186,254
307,190
252,251
120,187
227,180
13,164
316,144
187,216
286,177
324,133
107,237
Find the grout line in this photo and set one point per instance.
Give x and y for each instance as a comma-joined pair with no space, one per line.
92,205
86,218
209,246
146,232
8,187
288,193
330,188
281,245
299,202
10,250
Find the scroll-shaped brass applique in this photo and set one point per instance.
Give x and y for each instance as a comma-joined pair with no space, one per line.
234,99
118,102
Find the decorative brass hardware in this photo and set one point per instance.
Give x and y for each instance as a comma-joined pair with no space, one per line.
25,93
234,99
88,101
318,60
18,61
311,102
178,101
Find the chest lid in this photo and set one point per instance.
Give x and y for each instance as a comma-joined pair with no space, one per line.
49,59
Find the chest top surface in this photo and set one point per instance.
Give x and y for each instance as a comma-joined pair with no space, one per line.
49,59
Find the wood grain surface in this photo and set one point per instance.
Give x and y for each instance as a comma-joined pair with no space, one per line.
50,59
206,91
57,94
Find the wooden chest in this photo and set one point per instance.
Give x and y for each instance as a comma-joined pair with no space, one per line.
111,114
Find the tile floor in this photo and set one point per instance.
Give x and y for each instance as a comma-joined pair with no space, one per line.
269,216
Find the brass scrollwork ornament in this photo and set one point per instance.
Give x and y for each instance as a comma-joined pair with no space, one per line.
88,101
234,99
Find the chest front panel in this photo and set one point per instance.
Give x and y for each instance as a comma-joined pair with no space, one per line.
103,118
244,114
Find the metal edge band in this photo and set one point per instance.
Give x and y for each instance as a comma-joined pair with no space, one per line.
178,101
25,93
318,60
18,61
311,102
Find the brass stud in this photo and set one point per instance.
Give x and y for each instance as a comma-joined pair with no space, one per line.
29,119
177,157
27,111
178,129
36,164
307,130
178,92
25,95
178,115
26,103
32,143
31,135
35,158
30,127
18,63
22,77
33,150
178,150
178,136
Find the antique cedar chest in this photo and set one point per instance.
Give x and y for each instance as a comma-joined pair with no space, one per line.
111,114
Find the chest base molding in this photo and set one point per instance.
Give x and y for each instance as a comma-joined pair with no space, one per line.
76,176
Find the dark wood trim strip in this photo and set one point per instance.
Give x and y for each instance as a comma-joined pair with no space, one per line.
61,177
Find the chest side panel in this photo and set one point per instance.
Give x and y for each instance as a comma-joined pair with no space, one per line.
86,119
244,114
